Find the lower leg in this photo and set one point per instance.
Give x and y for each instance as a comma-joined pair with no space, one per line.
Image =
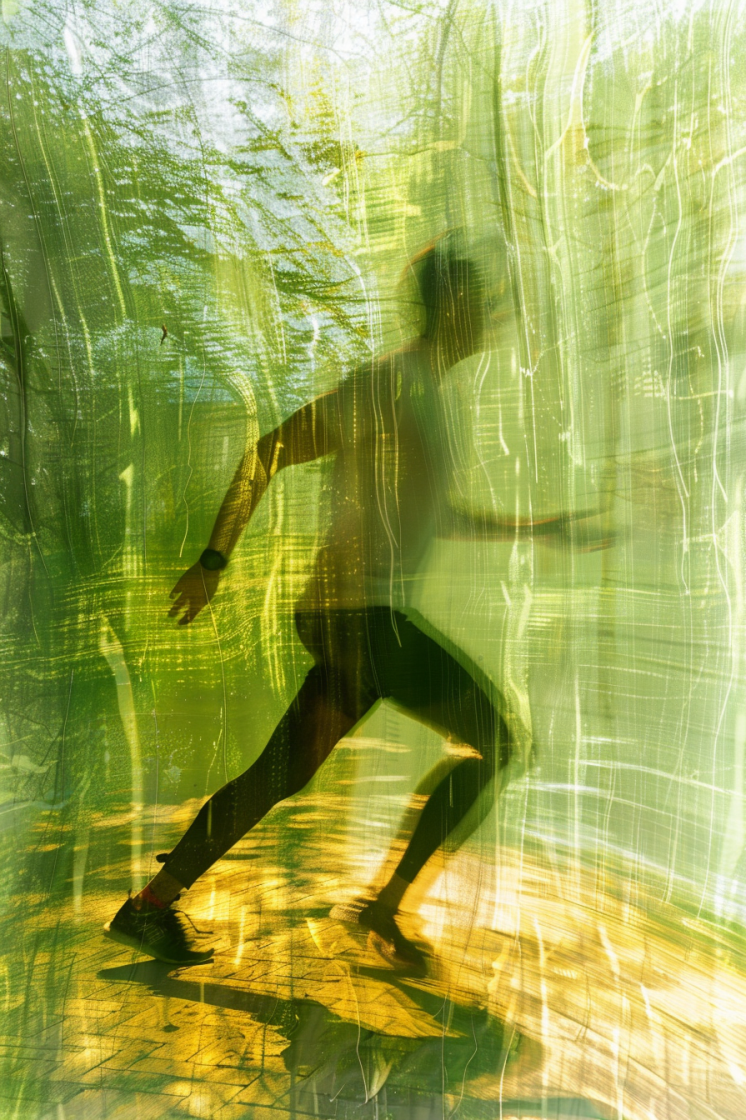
446,807
237,807
228,816
303,739
444,811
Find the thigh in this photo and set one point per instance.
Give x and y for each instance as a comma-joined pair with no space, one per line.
310,729
339,642
435,688
335,695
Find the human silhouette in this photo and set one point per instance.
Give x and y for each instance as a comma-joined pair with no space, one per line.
385,427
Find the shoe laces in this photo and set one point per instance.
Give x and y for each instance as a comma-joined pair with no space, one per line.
163,913
201,932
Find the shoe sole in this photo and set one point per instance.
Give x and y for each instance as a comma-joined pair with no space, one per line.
139,947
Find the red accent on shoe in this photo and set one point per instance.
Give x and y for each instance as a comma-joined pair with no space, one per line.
147,896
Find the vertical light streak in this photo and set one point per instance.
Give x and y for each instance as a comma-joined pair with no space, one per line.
112,650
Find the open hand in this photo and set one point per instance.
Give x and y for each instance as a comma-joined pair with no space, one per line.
194,591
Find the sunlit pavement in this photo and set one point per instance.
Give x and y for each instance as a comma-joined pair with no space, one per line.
550,996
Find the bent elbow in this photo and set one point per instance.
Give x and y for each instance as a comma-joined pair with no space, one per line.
271,453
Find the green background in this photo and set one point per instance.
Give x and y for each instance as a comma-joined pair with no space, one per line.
256,178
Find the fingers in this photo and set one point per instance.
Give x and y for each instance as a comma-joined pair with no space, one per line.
189,597
190,608
181,604
191,612
178,606
190,615
181,586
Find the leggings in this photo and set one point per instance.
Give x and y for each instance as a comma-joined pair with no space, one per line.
360,657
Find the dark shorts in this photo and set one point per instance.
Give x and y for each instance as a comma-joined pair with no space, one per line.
378,654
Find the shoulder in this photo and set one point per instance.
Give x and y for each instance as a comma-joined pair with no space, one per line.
382,377
409,356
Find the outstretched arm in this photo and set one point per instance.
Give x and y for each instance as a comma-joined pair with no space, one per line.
310,433
584,530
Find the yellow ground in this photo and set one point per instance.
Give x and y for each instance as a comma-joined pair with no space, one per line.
550,996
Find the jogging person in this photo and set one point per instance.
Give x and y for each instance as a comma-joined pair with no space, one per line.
386,428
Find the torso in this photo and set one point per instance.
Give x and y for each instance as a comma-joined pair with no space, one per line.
387,486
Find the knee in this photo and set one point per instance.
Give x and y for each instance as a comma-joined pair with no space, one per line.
493,742
503,743
493,755
495,750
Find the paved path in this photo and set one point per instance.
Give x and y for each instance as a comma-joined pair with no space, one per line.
552,996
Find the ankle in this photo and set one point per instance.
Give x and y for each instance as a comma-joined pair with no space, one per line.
160,892
390,897
148,898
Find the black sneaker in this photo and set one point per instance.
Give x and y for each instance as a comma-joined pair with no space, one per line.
157,933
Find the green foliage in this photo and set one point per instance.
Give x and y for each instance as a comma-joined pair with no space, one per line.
254,180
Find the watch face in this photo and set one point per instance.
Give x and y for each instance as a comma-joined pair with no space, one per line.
212,560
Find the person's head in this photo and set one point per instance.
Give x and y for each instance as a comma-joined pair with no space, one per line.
451,290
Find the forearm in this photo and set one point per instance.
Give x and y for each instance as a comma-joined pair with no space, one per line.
247,489
304,436
487,526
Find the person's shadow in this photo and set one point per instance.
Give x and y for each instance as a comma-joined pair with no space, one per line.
333,1061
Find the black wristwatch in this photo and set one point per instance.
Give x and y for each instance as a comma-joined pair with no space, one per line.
212,560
